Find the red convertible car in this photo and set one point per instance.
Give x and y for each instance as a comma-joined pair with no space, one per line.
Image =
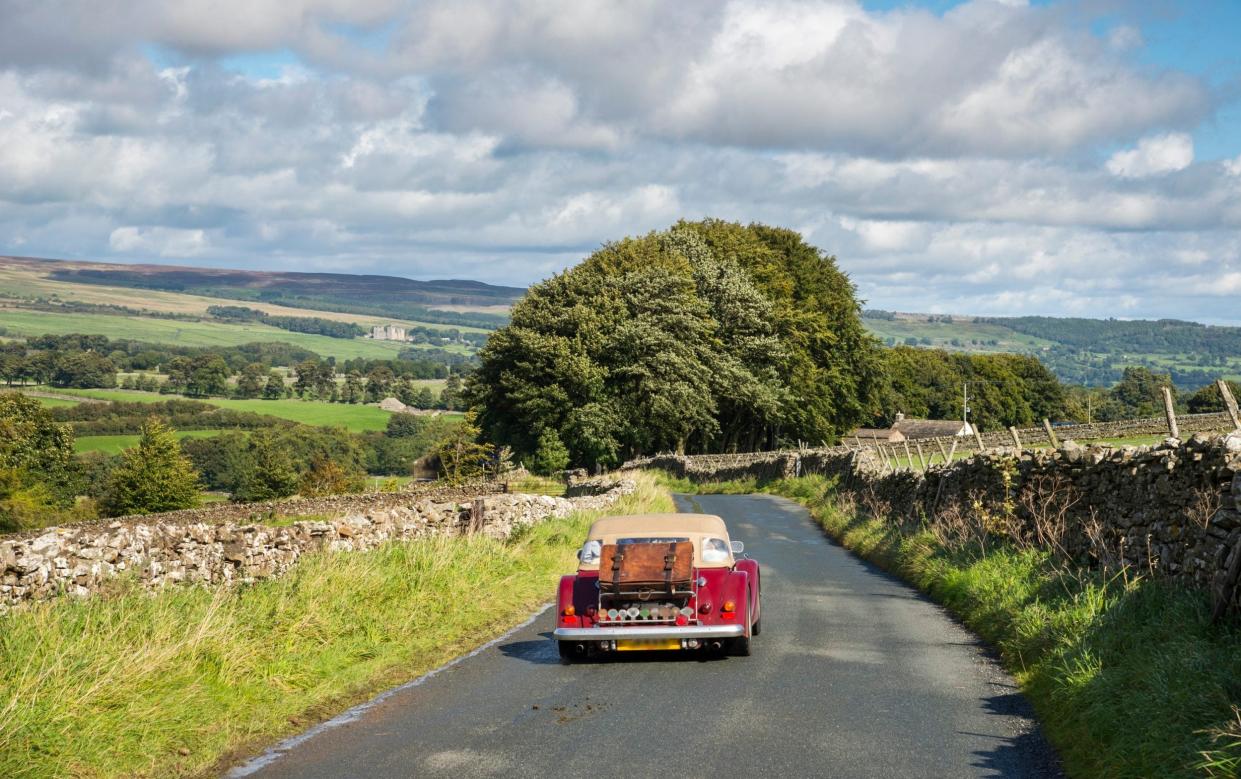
658,581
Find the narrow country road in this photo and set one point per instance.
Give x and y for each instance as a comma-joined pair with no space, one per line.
854,675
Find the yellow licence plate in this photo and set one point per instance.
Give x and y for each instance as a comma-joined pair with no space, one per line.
638,644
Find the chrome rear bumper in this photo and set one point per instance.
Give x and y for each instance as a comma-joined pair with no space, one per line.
652,631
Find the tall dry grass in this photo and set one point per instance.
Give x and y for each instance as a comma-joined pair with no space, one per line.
139,684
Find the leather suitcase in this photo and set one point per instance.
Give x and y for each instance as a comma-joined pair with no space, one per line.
661,567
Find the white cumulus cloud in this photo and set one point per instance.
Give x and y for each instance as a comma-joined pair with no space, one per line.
1154,156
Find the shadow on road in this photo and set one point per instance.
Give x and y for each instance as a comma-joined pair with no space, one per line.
541,652
1024,756
544,652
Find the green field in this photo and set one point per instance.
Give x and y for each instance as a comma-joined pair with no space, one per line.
181,333
942,334
53,402
113,444
355,418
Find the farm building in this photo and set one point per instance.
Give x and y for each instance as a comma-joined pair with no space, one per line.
904,429
388,333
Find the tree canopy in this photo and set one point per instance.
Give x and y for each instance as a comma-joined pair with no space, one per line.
1004,389
153,476
709,336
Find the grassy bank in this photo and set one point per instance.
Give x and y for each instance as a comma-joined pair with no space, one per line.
1128,676
130,684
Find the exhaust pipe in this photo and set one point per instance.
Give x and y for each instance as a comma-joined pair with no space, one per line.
579,650
716,646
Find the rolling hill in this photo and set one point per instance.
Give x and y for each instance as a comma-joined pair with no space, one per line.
1093,352
62,296
452,302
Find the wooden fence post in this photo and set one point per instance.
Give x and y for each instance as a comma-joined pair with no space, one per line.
1230,403
978,438
908,454
921,459
477,511
1016,435
1051,434
1173,429
952,451
942,450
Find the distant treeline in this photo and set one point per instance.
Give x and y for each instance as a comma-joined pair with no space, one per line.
297,324
109,309
1131,337
118,418
396,310
1018,390
246,371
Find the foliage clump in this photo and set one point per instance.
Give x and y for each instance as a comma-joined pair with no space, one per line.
710,336
36,458
462,455
154,476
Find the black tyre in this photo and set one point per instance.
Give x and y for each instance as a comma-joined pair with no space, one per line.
567,655
757,627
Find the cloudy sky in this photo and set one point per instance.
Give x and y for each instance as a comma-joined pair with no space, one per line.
985,157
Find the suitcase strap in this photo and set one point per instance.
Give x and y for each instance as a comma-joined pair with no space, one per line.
669,560
617,559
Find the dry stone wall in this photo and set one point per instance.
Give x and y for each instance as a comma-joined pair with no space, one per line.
180,547
1171,510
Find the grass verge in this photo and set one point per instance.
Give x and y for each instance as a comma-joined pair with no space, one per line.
173,683
1128,675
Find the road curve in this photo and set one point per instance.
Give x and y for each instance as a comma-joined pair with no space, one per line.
854,675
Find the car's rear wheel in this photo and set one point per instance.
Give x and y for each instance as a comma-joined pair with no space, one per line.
739,647
757,627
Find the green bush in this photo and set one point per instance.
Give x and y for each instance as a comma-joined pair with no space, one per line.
550,456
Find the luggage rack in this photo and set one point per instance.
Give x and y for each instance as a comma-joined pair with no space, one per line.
645,595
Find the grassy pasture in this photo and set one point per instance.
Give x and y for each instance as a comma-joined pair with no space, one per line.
204,334
53,402
114,444
941,335
356,418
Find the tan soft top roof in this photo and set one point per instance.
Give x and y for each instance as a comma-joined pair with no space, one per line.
659,523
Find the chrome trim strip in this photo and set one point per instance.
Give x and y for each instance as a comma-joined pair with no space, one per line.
637,631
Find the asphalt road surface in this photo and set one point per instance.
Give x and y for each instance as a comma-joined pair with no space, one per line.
854,675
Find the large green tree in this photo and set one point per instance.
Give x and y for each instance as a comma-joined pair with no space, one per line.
1004,389
153,476
710,336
